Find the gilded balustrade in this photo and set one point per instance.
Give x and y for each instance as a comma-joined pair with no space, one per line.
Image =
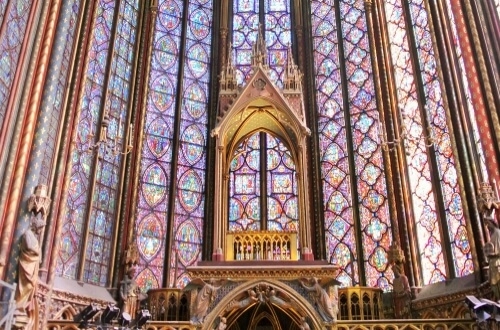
360,303
261,245
168,304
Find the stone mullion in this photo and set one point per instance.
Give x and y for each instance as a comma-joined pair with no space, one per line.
401,221
303,31
481,87
67,144
129,179
24,132
454,99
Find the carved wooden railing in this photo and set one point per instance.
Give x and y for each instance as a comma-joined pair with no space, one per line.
168,305
360,303
261,245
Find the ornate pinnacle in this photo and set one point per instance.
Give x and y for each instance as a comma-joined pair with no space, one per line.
259,51
39,201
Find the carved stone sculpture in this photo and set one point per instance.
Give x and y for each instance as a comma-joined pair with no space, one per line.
245,302
303,324
29,263
222,324
273,298
130,293
205,296
492,251
401,294
325,305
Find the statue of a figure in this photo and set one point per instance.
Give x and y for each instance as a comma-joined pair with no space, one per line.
237,304
130,293
303,324
222,324
273,298
492,251
326,308
29,263
204,298
401,293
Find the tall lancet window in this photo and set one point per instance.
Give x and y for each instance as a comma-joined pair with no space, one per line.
14,33
87,241
437,209
171,200
357,224
262,186
273,17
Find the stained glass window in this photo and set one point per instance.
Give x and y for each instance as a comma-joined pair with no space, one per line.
92,204
14,16
55,88
191,160
440,133
274,20
282,195
359,125
244,186
160,156
428,129
249,168
424,203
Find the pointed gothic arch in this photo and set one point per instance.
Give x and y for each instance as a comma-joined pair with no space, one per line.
260,106
297,306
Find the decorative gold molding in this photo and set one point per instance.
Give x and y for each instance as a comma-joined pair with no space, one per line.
270,269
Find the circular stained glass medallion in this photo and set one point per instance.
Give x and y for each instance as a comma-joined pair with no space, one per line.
200,24
169,14
193,146
158,138
154,184
150,237
190,188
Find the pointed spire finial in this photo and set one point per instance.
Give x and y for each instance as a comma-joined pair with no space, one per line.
228,81
259,50
293,76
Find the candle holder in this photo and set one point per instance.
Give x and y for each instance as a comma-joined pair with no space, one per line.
109,145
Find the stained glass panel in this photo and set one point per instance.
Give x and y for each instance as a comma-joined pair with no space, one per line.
373,211
363,120
158,155
282,196
51,108
156,158
78,195
244,186
100,226
278,36
423,198
276,167
14,24
100,238
446,168
335,171
191,160
245,27
276,27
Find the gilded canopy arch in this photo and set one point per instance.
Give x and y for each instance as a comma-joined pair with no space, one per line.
259,107
284,298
